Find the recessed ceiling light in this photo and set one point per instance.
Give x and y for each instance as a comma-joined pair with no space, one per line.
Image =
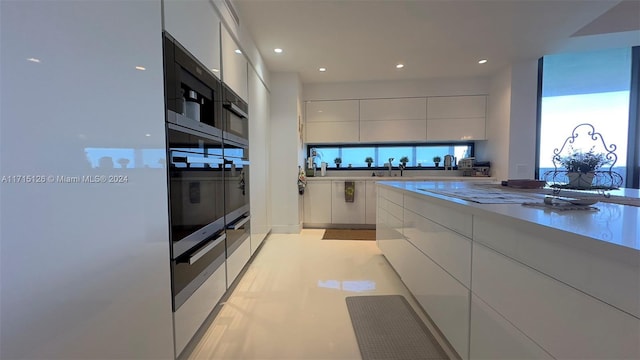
399,66
483,61
277,50
33,60
322,69
238,51
147,135
141,68
215,70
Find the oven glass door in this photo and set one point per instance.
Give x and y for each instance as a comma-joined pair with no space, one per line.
236,176
196,188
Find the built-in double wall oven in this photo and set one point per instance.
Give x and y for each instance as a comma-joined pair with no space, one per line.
208,170
196,168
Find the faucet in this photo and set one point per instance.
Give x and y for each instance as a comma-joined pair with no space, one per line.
390,166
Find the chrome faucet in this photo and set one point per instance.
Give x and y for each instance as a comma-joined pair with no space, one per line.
390,166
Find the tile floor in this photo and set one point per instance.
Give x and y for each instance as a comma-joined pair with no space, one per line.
290,303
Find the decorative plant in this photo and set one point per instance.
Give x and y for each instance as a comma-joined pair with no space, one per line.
583,162
404,160
368,160
436,160
337,161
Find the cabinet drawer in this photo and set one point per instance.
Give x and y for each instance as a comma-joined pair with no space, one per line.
441,296
575,325
607,272
448,249
452,219
395,196
493,337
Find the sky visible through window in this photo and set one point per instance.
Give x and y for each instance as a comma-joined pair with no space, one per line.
590,87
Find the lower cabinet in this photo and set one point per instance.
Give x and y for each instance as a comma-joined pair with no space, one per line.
343,212
317,202
190,316
237,260
370,194
493,337
486,303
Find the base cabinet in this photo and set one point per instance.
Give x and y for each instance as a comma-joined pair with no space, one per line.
190,316
237,260
493,337
343,212
317,202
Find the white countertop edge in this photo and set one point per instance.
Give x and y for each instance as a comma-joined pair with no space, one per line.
614,224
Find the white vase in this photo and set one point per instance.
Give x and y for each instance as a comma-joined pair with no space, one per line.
578,180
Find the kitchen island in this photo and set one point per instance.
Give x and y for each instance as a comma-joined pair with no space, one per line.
503,280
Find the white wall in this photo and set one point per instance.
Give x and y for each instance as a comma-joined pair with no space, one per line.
496,148
84,267
522,131
511,124
285,152
395,89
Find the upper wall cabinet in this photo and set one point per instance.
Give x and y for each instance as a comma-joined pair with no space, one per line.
234,66
393,120
456,118
332,121
195,24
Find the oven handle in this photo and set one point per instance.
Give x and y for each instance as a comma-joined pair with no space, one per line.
239,223
235,109
202,252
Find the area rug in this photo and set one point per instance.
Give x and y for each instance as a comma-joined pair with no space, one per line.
349,234
386,327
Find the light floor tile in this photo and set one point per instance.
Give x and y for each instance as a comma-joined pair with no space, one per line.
290,303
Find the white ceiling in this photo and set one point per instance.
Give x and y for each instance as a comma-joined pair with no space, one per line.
361,40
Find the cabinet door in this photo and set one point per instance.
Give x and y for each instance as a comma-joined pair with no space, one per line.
393,119
317,202
343,212
332,121
196,25
234,66
456,118
370,202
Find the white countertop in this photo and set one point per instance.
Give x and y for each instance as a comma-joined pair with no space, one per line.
613,223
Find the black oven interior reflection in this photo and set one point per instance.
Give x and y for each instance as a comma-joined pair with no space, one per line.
196,194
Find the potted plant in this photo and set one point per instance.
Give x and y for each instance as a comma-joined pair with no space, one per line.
404,160
368,160
337,161
436,160
581,166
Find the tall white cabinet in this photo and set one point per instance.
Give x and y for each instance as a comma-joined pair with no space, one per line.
85,266
234,66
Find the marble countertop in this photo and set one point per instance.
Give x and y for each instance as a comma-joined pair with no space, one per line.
611,223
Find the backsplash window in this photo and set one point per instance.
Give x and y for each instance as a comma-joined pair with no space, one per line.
417,155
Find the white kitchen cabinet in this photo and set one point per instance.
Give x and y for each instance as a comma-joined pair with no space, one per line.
343,212
317,202
332,121
196,25
234,66
370,202
402,119
575,324
237,260
456,118
493,337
